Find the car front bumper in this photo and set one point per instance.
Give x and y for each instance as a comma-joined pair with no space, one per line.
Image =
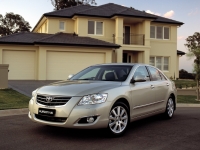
71,113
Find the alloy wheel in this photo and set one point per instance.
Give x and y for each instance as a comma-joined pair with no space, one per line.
118,119
170,107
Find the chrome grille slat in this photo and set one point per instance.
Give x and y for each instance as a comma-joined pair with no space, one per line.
56,101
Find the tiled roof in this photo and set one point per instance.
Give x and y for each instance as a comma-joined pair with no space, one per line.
180,52
54,39
107,10
23,37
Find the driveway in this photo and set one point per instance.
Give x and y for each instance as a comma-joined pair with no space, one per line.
27,86
182,132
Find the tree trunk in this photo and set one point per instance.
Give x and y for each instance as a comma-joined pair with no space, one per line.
197,89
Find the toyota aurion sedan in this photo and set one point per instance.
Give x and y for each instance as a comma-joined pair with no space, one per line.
104,96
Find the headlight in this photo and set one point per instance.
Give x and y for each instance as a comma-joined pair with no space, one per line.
93,99
34,93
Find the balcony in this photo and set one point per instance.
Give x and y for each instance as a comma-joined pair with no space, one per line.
133,39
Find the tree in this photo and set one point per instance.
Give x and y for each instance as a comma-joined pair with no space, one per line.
193,46
61,4
13,23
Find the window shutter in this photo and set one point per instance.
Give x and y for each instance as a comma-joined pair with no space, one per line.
99,28
166,33
159,33
153,32
90,27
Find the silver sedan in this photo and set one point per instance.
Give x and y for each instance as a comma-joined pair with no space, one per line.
104,96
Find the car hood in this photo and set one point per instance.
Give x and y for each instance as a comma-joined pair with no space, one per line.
77,88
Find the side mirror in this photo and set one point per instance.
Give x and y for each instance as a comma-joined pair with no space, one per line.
139,78
70,76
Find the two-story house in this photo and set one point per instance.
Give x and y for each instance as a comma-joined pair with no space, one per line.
66,41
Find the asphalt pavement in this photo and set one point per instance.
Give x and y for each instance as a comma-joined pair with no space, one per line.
182,132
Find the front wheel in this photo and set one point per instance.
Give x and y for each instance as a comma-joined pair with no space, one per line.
169,108
118,119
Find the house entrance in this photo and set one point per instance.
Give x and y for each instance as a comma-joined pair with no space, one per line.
127,58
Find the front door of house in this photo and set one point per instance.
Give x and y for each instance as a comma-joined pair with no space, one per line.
127,31
127,58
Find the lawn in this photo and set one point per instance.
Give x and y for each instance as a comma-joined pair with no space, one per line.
10,99
184,83
187,99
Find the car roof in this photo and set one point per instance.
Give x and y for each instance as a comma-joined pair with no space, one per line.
119,64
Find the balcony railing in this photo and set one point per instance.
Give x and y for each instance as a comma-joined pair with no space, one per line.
133,39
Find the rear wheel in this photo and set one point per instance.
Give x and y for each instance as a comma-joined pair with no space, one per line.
118,119
169,112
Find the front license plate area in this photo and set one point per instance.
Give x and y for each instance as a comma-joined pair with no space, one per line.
46,112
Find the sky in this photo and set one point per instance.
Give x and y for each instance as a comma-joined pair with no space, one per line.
186,11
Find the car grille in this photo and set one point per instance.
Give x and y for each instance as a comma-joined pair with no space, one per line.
51,119
53,100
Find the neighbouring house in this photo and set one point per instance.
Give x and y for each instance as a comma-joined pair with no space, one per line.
65,41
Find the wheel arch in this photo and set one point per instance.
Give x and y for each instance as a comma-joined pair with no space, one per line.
174,99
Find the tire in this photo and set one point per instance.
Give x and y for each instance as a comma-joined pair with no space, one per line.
169,112
118,119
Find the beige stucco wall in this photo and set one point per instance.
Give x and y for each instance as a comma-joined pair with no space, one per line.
167,48
53,25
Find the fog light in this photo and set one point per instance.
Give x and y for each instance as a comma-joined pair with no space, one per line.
90,119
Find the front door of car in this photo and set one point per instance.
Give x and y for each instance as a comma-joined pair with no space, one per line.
142,93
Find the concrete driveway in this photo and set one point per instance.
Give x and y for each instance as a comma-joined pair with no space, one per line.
27,86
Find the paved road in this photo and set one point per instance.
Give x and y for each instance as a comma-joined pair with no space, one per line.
180,133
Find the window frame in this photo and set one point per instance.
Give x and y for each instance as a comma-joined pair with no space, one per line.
63,25
163,32
162,62
95,28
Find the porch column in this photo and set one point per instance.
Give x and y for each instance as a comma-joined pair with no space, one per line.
119,30
146,32
146,57
42,67
119,53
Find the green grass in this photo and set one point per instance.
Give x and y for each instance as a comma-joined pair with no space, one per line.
184,83
187,99
10,99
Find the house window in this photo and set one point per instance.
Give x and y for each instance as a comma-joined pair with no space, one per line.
159,32
161,63
95,27
62,25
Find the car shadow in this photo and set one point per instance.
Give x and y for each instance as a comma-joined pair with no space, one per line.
61,132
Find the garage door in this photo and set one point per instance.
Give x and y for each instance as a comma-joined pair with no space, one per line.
21,64
61,64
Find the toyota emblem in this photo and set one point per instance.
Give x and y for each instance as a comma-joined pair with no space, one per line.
49,99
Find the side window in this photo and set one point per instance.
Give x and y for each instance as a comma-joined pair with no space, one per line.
162,76
155,74
142,71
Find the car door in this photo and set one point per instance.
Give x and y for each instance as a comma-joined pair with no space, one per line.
142,93
161,87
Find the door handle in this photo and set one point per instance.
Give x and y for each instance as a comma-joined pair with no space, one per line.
152,87
167,84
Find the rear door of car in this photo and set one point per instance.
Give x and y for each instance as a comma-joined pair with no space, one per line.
161,87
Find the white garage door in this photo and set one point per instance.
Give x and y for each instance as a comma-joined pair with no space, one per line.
61,64
21,64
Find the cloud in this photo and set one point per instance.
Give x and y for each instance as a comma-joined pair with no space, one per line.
180,37
169,14
150,12
193,12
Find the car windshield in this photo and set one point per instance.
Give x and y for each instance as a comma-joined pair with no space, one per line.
104,73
